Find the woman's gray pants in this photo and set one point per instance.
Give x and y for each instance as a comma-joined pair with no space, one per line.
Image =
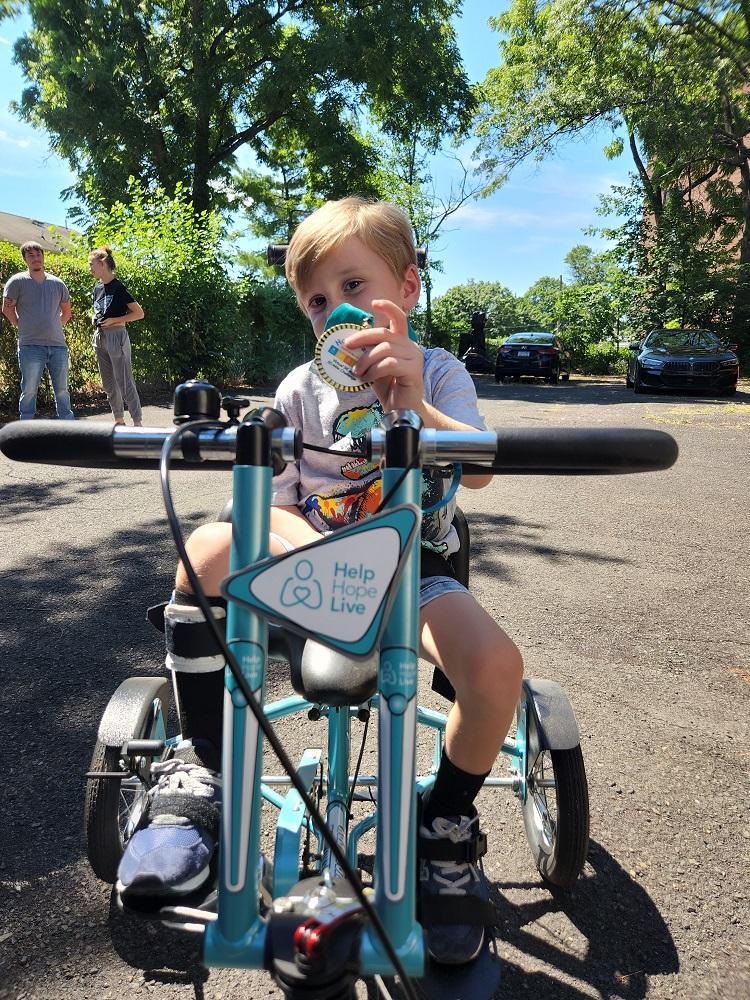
112,347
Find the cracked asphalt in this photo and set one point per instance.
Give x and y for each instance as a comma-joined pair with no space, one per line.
630,591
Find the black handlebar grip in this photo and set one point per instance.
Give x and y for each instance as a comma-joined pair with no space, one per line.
276,255
60,442
582,450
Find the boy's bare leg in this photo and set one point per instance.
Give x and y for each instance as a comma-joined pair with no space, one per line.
485,668
208,548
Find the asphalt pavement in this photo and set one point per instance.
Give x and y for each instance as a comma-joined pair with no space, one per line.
631,591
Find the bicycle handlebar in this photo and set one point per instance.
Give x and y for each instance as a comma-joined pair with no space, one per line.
507,451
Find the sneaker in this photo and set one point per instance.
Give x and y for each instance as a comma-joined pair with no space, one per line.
170,854
453,888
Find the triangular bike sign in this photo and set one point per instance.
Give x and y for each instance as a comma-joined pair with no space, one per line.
338,590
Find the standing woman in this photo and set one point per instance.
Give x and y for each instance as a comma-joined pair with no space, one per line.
114,306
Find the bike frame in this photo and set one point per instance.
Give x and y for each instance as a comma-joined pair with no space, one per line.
237,938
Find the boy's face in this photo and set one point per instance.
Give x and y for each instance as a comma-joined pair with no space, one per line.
355,274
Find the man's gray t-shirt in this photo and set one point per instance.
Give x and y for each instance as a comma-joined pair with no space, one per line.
38,308
331,491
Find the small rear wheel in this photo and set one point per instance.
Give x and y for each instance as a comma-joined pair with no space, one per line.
113,807
556,810
556,815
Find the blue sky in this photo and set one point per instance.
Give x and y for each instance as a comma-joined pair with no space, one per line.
520,233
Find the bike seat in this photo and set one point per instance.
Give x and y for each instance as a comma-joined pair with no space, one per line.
322,675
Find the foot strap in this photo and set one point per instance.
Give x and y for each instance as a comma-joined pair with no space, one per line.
450,908
444,849
199,811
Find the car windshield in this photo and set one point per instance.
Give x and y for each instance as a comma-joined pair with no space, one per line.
680,340
542,339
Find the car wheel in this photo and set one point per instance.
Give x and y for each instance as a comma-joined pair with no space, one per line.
500,378
638,386
628,381
728,392
553,378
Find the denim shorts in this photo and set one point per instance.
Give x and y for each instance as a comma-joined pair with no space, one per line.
431,587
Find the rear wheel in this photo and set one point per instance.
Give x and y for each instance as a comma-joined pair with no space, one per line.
113,807
556,810
556,815
553,378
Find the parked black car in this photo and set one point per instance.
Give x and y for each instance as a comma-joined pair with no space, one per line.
534,353
683,359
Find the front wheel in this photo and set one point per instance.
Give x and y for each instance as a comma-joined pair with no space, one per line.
638,386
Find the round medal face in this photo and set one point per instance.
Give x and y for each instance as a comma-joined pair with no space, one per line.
334,362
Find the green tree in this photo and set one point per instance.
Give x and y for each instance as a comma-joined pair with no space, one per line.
452,311
168,92
404,176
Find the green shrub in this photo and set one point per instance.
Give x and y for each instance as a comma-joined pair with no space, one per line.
603,358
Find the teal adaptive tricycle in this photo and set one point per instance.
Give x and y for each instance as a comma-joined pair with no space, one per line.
344,613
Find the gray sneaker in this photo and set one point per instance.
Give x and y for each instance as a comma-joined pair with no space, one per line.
454,898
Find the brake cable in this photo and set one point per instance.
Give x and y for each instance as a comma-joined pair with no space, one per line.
263,723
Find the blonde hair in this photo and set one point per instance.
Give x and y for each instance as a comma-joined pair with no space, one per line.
382,227
105,254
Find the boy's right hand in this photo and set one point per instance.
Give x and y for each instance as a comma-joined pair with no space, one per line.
392,361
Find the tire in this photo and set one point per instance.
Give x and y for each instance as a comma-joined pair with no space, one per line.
557,819
729,392
112,808
628,381
638,386
554,378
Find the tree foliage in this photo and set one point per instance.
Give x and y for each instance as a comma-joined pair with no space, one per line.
168,92
452,311
663,80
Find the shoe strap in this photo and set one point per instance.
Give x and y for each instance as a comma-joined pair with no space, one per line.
449,909
200,812
444,849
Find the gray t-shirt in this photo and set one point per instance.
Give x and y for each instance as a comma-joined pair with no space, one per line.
38,308
331,491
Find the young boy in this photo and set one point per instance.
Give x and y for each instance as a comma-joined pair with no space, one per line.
361,253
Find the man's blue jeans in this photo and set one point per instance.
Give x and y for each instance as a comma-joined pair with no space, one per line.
32,360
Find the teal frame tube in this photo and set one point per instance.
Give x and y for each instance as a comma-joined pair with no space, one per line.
237,937
395,854
337,792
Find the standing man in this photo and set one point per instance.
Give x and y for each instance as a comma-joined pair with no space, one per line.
38,305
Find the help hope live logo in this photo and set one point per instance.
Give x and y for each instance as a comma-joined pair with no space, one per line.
338,589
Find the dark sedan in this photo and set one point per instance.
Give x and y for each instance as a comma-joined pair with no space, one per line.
534,353
682,359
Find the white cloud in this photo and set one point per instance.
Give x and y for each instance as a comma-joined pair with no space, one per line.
478,215
5,41
21,143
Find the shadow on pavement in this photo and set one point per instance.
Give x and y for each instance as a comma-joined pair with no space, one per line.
492,534
626,938
77,613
